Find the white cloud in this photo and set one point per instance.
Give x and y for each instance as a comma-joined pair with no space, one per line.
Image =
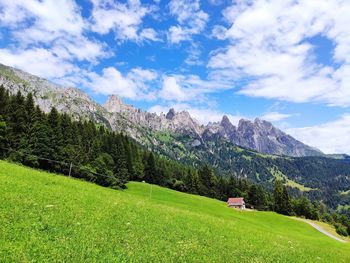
192,20
48,15
171,90
124,19
133,85
270,50
331,137
57,24
275,116
219,32
48,38
189,88
112,82
79,48
194,54
38,61
144,74
149,34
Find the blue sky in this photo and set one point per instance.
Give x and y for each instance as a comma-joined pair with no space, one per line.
284,61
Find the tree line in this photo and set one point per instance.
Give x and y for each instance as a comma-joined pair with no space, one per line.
52,141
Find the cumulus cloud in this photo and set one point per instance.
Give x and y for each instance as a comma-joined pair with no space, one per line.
270,47
133,85
149,34
194,54
191,20
48,38
189,88
171,90
38,61
47,15
57,24
112,82
275,116
330,137
124,19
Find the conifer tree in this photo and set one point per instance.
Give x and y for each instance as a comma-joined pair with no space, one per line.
16,122
3,135
257,197
27,141
282,199
42,144
208,181
150,169
278,196
4,101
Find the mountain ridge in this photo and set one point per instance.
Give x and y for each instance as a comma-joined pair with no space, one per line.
258,135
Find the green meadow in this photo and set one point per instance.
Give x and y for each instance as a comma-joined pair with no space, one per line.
51,218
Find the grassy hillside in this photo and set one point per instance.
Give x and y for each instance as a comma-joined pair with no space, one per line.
50,218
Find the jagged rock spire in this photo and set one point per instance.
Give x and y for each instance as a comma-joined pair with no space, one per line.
113,104
171,114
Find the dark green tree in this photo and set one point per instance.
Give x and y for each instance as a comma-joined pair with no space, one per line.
257,197
151,170
103,165
3,137
16,123
4,101
282,199
208,181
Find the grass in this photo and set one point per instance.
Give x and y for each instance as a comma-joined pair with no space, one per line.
52,218
345,192
164,137
331,229
288,182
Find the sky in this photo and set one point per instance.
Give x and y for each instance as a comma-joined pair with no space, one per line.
284,61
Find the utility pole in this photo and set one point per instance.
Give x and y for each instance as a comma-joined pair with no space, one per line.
70,169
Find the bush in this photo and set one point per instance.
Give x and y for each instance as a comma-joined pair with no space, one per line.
327,218
341,230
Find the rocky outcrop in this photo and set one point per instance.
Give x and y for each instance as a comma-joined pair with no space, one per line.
261,136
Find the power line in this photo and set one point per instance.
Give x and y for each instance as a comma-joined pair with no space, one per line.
71,165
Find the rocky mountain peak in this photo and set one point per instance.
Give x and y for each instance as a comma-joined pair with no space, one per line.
185,115
243,123
225,122
228,129
171,114
263,124
114,104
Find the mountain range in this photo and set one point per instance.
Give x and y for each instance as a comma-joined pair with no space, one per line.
258,135
255,150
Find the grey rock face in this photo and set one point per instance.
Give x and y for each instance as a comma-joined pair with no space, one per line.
171,114
261,136
258,135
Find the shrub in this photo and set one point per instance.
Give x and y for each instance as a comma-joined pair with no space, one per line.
341,230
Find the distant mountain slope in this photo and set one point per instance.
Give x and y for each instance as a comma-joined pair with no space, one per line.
259,135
